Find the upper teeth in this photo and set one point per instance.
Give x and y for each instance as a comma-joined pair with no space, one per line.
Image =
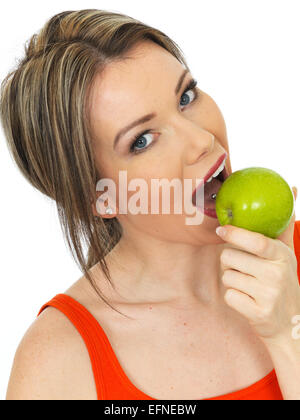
218,171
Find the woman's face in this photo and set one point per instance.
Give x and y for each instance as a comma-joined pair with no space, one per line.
187,135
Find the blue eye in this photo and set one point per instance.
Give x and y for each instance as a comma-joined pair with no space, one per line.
139,140
185,94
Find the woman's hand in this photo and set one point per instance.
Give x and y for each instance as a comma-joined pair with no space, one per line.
261,277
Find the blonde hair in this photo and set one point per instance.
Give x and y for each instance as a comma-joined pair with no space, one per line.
44,113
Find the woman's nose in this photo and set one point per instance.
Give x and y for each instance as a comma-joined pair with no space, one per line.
199,142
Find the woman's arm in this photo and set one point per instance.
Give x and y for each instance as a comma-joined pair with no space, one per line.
262,284
286,360
51,362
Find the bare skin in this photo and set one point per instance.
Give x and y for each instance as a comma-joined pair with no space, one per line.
170,341
167,275
167,255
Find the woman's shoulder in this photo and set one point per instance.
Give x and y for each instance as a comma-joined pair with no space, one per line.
51,362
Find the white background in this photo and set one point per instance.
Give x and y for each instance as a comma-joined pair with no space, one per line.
244,53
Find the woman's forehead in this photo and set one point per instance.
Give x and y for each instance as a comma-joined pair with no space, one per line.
126,89
147,67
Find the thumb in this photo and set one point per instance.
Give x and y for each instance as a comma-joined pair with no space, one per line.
295,192
288,235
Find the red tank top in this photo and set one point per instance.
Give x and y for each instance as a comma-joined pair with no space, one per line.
110,379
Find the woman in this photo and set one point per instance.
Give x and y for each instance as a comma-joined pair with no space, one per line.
154,316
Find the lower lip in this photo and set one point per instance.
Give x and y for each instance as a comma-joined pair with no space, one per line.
210,213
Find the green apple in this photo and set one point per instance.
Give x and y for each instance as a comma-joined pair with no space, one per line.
256,199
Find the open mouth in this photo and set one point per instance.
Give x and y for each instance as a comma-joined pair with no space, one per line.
211,184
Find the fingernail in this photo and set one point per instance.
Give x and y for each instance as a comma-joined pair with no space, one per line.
221,231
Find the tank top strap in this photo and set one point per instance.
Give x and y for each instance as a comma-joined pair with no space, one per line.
111,380
91,332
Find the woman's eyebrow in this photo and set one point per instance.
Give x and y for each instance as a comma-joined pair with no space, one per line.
148,117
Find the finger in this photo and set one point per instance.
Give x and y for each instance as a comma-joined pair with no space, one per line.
242,303
242,282
244,262
252,242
